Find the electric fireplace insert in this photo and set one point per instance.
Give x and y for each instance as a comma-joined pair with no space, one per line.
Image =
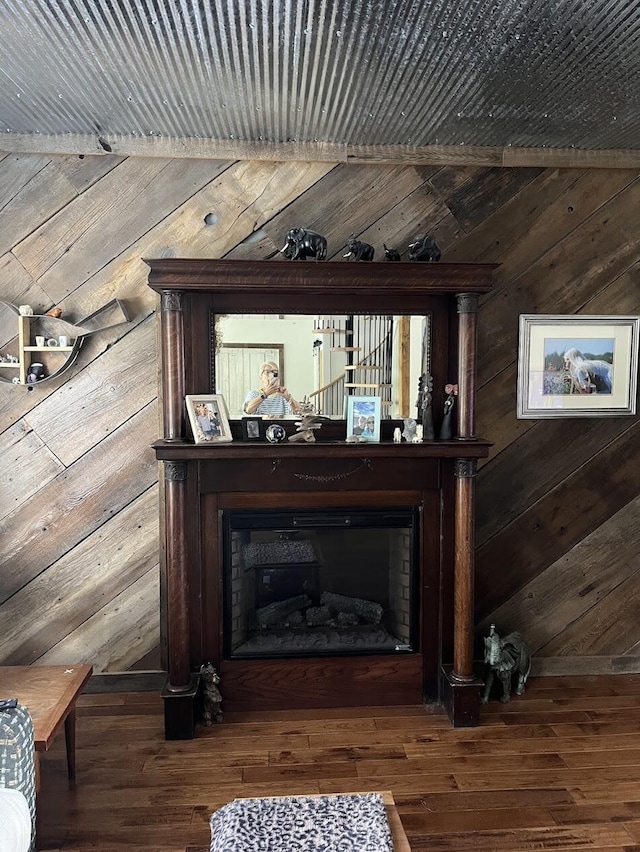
326,582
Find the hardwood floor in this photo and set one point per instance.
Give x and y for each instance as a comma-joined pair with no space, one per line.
558,768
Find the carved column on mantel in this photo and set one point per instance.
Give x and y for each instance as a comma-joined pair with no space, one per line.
180,687
463,695
461,688
173,371
467,305
463,575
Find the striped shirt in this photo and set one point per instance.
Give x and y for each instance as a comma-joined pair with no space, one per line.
273,406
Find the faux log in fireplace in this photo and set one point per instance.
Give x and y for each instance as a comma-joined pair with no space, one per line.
328,573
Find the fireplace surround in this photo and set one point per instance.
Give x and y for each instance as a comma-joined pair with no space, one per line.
319,583
290,501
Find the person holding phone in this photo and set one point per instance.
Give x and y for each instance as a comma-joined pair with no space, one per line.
272,399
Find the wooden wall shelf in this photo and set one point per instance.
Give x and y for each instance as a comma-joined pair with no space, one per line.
56,359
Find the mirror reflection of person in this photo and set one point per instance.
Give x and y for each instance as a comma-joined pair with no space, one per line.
272,399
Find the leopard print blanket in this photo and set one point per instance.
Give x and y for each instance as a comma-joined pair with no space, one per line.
348,823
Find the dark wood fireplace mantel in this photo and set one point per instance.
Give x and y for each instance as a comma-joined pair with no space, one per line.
201,482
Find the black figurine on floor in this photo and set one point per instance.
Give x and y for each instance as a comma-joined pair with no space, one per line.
391,253
424,248
506,658
211,696
447,427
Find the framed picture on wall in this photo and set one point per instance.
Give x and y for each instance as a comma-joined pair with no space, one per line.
363,417
577,366
209,419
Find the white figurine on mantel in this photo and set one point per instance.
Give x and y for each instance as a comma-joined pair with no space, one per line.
25,310
409,429
397,435
417,439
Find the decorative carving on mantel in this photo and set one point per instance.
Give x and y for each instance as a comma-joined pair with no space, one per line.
465,468
171,300
467,303
175,471
334,477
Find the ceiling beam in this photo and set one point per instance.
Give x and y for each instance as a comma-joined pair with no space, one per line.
226,149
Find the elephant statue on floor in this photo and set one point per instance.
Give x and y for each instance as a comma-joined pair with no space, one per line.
505,658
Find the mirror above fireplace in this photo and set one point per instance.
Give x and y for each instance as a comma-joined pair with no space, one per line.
323,358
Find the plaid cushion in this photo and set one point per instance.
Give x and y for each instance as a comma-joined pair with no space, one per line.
17,758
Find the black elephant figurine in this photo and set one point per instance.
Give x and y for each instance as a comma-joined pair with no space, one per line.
301,243
506,657
391,253
359,250
424,248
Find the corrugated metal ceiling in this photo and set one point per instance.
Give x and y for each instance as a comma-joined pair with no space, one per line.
531,73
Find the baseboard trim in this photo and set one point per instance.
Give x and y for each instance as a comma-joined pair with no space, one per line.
150,681
584,666
154,681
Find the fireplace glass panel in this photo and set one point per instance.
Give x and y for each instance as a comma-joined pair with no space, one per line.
313,583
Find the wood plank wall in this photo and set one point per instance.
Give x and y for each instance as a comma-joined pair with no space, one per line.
559,501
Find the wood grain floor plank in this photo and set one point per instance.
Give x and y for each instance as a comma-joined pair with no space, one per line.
483,800
596,758
594,812
542,777
541,745
378,738
614,727
573,839
338,755
463,763
472,821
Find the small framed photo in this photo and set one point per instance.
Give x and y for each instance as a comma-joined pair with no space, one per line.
577,366
209,419
252,429
363,417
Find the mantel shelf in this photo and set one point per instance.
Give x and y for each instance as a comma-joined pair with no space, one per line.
187,451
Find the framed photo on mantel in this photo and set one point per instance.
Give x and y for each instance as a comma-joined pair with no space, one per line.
363,417
577,366
208,418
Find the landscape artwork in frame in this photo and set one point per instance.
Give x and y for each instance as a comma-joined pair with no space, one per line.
363,417
209,419
577,366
